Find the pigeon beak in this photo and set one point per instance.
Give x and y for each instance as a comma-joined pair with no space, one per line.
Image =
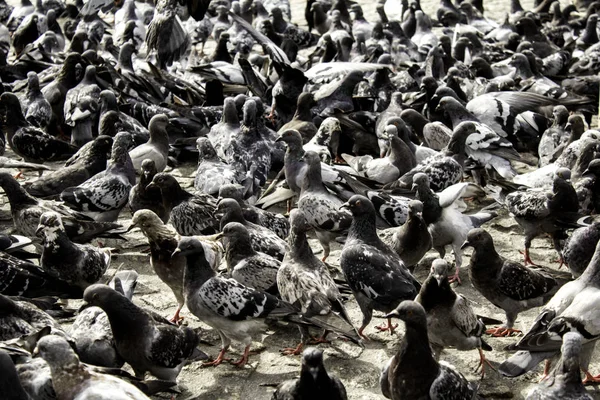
279,139
393,314
83,307
36,352
38,231
131,227
314,372
176,252
413,188
216,237
345,205
465,245
151,185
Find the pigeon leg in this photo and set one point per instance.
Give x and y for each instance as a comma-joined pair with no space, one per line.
293,351
242,361
19,175
360,333
325,253
322,339
482,363
219,360
455,277
390,327
527,260
546,372
502,331
176,318
589,378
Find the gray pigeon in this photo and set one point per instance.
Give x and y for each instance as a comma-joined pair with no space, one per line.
320,207
10,386
157,148
104,195
236,311
566,382
143,198
145,340
506,284
212,173
78,264
22,318
71,380
247,266
337,95
451,321
314,382
413,373
373,271
578,249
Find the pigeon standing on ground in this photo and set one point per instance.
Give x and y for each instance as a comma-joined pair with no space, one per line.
413,373
375,273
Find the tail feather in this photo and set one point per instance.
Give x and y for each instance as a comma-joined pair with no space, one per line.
481,218
522,362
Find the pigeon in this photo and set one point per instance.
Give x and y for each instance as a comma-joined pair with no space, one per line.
566,382
38,111
157,148
104,195
414,373
326,138
236,311
56,91
81,265
506,284
302,120
143,198
26,211
147,342
86,89
212,173
378,278
87,162
21,318
10,384
262,238
554,136
320,207
412,240
190,214
72,380
167,35
251,268
579,248
91,333
314,381
304,281
451,321
337,95
222,133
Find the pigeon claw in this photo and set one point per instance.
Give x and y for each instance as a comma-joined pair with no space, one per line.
389,327
482,363
219,360
527,260
589,378
293,351
502,331
244,360
454,278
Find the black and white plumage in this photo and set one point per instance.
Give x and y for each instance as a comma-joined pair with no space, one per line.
539,212
413,373
337,94
267,219
212,173
579,247
244,264
314,382
157,148
71,379
104,195
166,34
143,198
374,272
91,332
86,90
87,162
304,281
236,311
451,322
146,341
222,133
190,214
38,111
554,137
262,238
22,318
320,207
78,264
326,138
26,211
507,284
566,380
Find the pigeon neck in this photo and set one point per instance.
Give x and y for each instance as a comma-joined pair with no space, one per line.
124,316
482,255
457,145
299,249
124,61
17,196
364,228
233,215
311,386
432,293
160,232
160,138
230,115
68,76
460,114
313,181
238,249
174,195
303,113
415,352
197,272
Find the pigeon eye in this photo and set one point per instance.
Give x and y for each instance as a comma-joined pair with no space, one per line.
358,202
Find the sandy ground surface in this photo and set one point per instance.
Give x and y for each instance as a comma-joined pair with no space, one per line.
358,368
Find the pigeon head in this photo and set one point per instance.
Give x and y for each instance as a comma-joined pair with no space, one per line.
11,104
163,181
206,151
306,100
158,123
33,82
575,124
234,232
563,173
230,114
7,305
57,352
415,208
298,221
359,205
560,114
420,181
292,138
428,85
328,127
101,295
50,226
411,312
593,168
146,220
312,363
526,26
232,191
312,158
148,168
249,110
227,205
189,245
439,270
479,239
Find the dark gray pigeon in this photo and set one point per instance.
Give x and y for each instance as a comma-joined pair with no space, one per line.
578,249
143,198
506,284
451,322
566,382
72,380
78,264
375,273
21,318
413,373
337,95
145,340
244,264
10,386
314,382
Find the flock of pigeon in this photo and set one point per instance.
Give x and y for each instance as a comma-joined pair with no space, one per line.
379,136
